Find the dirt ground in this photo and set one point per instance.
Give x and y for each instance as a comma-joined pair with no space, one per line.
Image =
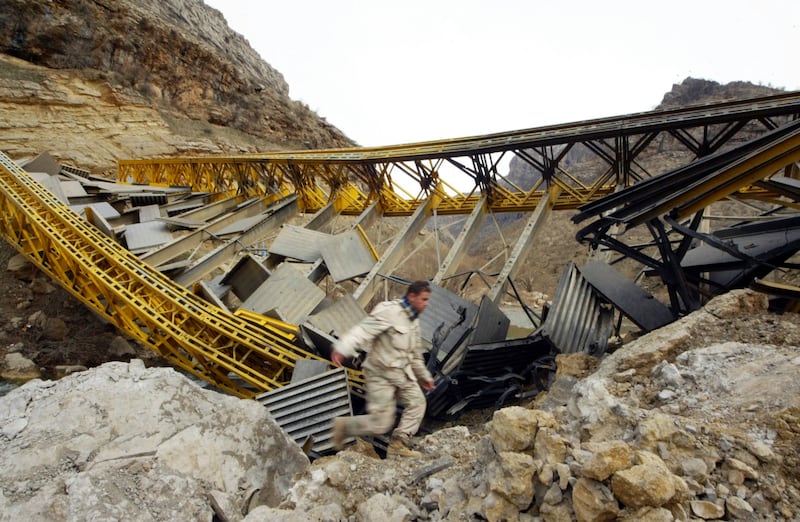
29,296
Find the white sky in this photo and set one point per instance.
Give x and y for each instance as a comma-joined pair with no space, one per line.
391,72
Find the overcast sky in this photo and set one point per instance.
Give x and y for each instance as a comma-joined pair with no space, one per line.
391,72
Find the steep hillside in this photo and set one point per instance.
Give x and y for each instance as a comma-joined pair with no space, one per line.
95,81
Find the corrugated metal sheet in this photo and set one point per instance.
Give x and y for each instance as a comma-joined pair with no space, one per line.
288,293
149,213
339,317
141,237
72,169
307,408
73,189
347,255
579,320
298,243
148,198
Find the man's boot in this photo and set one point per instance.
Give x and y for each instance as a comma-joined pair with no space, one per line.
400,448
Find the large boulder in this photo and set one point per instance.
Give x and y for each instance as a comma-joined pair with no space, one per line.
122,441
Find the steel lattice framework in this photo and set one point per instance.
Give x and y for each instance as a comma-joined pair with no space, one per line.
246,355
354,178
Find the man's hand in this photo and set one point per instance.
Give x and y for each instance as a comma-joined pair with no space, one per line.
337,359
427,385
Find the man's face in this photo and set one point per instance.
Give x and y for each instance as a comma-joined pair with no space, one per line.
419,301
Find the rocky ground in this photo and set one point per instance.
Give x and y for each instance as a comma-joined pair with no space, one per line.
699,420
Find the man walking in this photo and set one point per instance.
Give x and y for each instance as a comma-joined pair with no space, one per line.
394,370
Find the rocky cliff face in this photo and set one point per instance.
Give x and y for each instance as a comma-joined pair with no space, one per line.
95,81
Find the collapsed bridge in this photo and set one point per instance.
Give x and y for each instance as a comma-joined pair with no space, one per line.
161,295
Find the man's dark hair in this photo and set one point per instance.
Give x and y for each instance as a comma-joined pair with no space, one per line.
417,287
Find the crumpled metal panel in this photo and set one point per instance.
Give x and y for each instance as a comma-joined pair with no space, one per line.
347,255
102,208
73,189
141,237
307,408
637,304
339,317
489,374
578,320
149,213
298,243
445,325
245,277
286,293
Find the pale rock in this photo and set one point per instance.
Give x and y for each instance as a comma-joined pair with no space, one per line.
593,501
64,370
17,367
575,365
514,428
759,503
497,508
124,441
650,514
643,485
762,451
657,427
592,405
37,319
736,302
546,474
626,376
549,446
680,511
226,506
738,465
606,458
667,375
553,494
738,509
557,513
706,510
667,395
694,468
735,477
564,474
386,508
336,472
558,394
511,476
326,513
21,267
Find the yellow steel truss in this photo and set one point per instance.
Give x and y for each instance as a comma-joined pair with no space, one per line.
237,355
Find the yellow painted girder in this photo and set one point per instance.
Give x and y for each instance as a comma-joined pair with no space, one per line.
259,176
233,354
